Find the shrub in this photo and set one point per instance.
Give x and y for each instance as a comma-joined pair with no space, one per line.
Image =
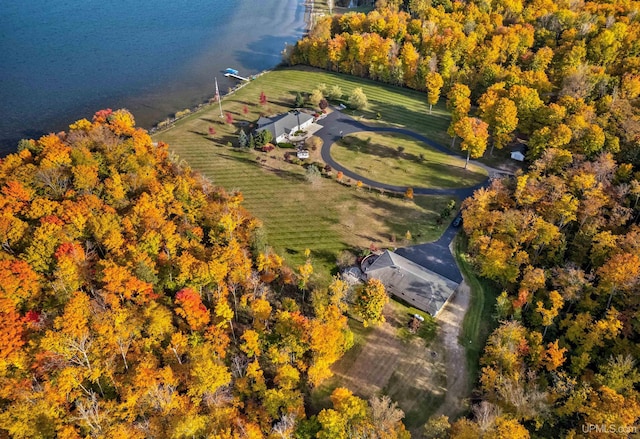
334,93
409,193
182,113
313,143
315,97
286,145
312,174
357,99
345,259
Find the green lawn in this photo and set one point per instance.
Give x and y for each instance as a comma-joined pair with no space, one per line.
478,321
325,217
401,160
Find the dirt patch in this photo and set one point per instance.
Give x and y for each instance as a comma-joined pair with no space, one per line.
408,371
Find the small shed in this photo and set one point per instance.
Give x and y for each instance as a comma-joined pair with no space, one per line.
518,154
303,154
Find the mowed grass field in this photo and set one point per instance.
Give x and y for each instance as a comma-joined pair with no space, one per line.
404,161
325,217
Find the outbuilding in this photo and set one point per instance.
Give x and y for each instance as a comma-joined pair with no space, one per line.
406,280
518,154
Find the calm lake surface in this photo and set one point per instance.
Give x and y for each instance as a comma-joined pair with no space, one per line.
63,60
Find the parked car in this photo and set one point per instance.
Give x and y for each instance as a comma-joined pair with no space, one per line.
457,221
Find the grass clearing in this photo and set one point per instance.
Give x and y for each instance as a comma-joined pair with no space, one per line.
478,321
428,327
404,161
325,217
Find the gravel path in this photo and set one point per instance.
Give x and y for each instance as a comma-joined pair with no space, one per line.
458,385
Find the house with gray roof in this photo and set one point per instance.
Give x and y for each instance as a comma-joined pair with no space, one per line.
406,280
282,125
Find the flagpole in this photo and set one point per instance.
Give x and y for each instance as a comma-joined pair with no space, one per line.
218,97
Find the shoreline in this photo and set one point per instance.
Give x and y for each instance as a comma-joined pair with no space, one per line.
168,122
154,93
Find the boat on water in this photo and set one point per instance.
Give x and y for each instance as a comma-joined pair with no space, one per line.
231,71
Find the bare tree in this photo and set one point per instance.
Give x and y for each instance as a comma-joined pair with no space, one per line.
89,412
284,427
486,414
385,414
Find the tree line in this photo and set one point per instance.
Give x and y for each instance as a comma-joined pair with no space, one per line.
550,73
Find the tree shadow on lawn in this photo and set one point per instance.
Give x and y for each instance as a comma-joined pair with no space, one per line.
404,213
220,141
219,121
385,151
288,175
426,401
399,114
439,175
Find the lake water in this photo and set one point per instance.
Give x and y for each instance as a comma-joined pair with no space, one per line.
63,60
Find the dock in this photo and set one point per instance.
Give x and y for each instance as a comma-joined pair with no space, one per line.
235,76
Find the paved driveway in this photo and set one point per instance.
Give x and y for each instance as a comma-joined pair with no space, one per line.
435,256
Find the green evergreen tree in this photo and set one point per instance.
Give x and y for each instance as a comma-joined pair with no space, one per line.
243,140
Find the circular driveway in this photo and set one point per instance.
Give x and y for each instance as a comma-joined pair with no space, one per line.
338,124
434,256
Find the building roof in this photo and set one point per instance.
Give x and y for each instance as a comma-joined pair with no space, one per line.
411,282
518,155
282,123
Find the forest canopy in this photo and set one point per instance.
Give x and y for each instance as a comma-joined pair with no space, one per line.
560,239
135,302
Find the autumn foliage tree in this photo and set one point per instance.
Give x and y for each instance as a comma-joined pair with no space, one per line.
131,305
434,85
474,136
370,301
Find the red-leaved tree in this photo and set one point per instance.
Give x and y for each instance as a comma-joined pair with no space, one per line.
189,306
